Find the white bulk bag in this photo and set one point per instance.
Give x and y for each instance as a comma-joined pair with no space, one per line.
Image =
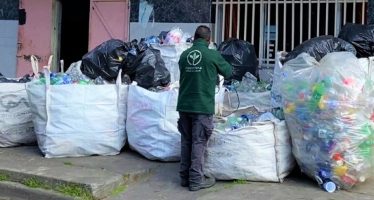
261,152
78,120
152,123
16,125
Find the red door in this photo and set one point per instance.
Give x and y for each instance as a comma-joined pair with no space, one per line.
109,19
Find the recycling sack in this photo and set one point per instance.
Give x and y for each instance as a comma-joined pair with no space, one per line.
78,120
152,123
328,108
16,125
241,55
318,47
361,37
261,152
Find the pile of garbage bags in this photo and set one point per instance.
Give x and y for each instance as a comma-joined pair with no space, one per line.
355,38
142,64
328,110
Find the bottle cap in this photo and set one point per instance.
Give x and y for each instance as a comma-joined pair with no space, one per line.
329,186
362,179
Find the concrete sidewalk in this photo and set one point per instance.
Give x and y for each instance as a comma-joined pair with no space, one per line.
25,174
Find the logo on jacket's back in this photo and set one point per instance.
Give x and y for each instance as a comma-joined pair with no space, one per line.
194,57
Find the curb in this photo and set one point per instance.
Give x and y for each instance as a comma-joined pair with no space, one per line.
48,188
11,190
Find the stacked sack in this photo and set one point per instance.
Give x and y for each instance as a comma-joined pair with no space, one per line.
58,120
16,126
249,145
329,116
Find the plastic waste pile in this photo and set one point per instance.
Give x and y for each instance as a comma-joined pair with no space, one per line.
177,36
249,83
241,120
67,78
328,114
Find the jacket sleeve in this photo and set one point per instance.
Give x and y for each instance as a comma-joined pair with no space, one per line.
223,67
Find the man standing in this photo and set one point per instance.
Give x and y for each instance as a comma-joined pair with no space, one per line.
199,67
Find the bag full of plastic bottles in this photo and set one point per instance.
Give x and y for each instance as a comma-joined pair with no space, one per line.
74,117
249,145
329,113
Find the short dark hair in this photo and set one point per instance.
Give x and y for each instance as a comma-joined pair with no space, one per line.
203,32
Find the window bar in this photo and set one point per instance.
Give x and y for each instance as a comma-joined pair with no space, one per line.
238,20
261,42
327,18
230,22
284,24
345,12
354,12
293,25
363,12
268,33
223,19
245,19
309,19
276,25
318,16
253,21
301,21
336,18
216,25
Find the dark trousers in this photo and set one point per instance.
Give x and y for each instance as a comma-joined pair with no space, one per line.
195,130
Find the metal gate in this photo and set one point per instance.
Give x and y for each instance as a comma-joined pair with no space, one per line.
280,25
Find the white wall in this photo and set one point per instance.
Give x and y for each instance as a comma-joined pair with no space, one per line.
139,30
8,47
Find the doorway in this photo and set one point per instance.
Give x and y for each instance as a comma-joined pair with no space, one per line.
74,30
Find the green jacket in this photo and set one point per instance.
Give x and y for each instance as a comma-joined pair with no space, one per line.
199,67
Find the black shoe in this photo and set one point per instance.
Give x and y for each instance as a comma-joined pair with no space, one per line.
184,183
207,182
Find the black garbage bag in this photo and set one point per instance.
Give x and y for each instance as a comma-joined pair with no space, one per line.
149,69
106,59
241,55
318,47
361,37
